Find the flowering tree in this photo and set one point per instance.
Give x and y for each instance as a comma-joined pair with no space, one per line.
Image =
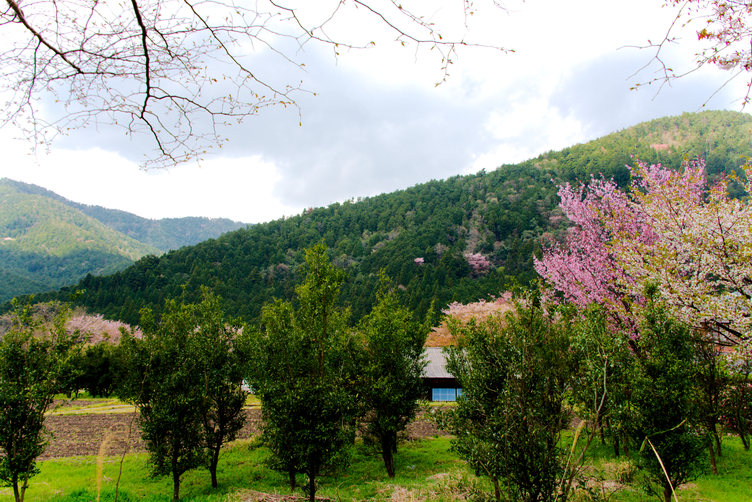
701,258
584,268
477,262
724,25
460,313
694,245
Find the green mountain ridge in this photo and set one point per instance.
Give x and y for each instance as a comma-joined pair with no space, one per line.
164,234
460,239
45,244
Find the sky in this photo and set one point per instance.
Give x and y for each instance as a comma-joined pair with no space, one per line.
378,123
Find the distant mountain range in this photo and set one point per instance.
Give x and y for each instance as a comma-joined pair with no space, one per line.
460,239
47,241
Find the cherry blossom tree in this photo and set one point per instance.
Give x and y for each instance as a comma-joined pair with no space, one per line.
584,267
701,260
178,71
724,25
692,242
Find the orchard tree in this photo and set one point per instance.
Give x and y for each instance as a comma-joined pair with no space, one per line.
162,382
671,446
33,367
391,372
514,371
178,71
184,377
303,369
220,374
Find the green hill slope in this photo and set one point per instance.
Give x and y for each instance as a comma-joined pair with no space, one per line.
163,234
458,239
45,244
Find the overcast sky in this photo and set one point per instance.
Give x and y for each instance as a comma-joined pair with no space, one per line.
378,123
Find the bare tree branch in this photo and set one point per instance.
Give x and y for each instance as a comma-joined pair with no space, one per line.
176,71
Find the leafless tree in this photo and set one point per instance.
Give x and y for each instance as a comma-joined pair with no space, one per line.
175,70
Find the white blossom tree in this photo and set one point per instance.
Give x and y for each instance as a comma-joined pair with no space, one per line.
702,259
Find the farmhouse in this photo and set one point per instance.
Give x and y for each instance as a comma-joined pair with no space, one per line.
440,385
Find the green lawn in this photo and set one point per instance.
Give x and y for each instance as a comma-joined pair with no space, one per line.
425,471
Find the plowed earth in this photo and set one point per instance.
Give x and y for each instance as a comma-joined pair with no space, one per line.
84,433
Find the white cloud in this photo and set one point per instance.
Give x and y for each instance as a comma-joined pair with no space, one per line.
378,123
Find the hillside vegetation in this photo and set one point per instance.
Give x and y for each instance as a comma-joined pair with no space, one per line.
47,241
460,239
163,234
46,244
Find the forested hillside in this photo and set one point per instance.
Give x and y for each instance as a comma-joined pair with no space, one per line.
46,244
458,239
163,234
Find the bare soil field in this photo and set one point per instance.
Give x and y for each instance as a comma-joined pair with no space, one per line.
82,428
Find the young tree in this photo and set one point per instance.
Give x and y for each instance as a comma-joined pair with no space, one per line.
176,71
303,371
185,378
163,383
220,376
514,372
391,372
33,360
662,400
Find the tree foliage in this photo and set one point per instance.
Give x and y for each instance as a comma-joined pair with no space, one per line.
670,230
391,373
184,377
34,359
303,369
514,372
663,424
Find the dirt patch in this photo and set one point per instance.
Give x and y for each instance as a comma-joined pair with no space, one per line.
85,434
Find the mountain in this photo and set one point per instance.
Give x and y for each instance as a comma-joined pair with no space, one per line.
47,241
460,239
163,234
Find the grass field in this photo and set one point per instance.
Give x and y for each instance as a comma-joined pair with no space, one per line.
426,470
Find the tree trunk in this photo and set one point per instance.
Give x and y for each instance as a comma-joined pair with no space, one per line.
712,457
626,450
387,454
717,438
667,491
745,441
175,486
293,481
497,489
616,446
16,493
311,486
213,463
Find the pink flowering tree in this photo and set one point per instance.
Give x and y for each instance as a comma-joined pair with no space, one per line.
478,263
701,261
584,268
693,243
